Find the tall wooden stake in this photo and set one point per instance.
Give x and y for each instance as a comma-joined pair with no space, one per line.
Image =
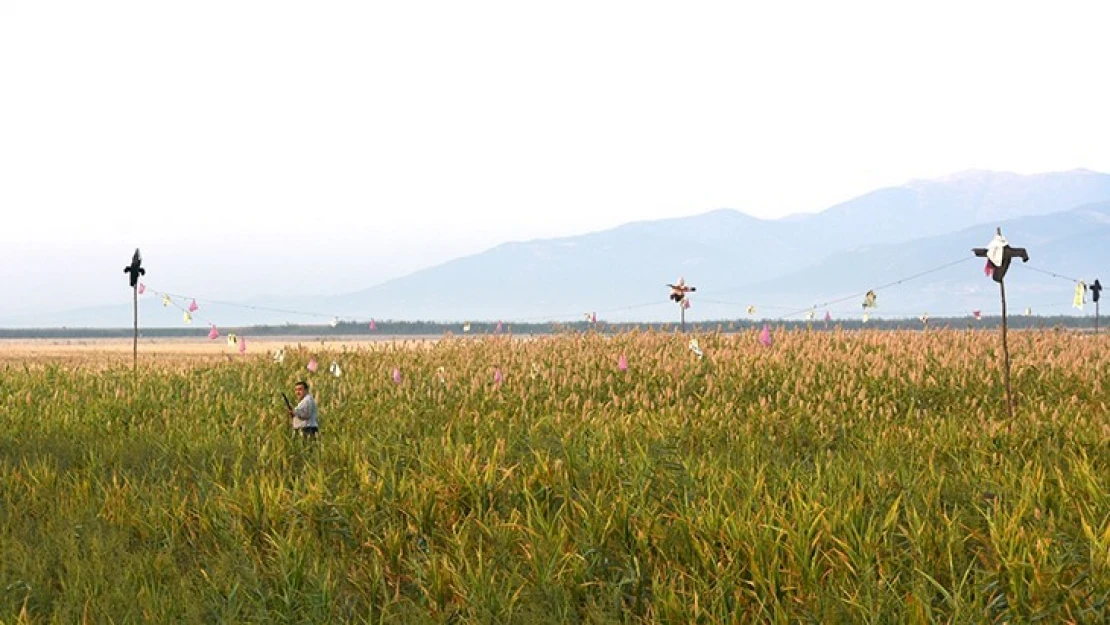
1006,356
682,315
997,266
135,342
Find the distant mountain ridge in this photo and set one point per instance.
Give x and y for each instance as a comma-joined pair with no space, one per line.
734,260
1074,243
728,251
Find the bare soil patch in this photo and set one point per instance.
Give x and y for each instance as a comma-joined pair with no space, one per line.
188,351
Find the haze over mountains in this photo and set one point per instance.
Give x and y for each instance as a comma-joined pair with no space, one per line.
736,260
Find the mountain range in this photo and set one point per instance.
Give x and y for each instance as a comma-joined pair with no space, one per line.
882,240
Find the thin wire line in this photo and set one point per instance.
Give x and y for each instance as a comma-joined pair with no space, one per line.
879,288
756,306
250,306
553,317
607,310
1049,273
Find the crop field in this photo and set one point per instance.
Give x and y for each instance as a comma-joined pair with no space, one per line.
833,477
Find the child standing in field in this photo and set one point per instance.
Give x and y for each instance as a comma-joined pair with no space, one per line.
304,413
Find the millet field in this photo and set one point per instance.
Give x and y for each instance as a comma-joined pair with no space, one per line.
834,477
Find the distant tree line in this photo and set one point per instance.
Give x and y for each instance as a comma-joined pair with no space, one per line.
430,328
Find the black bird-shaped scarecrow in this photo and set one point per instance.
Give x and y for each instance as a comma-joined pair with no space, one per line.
679,290
1095,289
135,268
999,254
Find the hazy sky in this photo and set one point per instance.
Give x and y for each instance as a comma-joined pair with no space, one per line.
264,147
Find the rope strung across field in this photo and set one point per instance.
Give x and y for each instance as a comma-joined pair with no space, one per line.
1050,273
791,312
706,300
579,314
962,259
183,309
237,305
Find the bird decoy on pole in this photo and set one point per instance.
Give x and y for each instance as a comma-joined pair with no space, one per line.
134,270
999,254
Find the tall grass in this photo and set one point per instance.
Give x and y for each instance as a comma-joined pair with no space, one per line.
865,477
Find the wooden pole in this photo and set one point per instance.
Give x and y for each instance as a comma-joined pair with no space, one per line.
682,314
1006,356
135,342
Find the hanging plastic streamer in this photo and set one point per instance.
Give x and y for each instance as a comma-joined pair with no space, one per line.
334,369
811,315
441,374
866,317
622,363
694,347
334,322
396,375
1028,312
751,310
193,306
466,327
142,288
373,326
312,366
279,356
924,319
242,345
869,300
213,333
996,252
498,330
765,335
188,318
535,372
1080,295
232,340
977,314
828,316
497,377
165,301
